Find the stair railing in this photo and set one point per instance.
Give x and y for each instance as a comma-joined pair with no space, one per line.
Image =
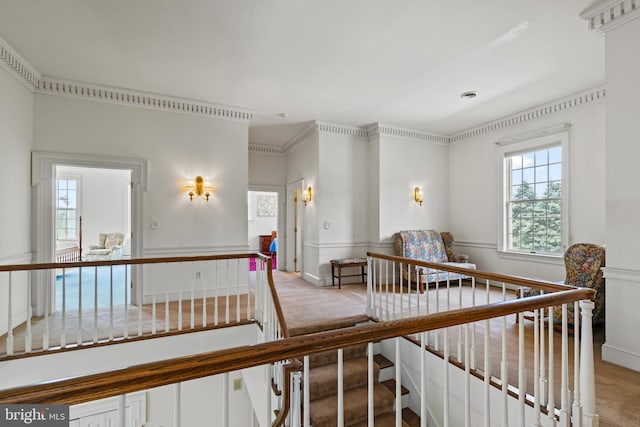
173,371
393,292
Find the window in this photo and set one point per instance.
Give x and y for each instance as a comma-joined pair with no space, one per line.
534,187
67,208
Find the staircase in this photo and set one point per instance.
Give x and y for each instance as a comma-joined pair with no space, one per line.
323,384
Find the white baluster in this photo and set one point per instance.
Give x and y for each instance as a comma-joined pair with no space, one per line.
192,310
445,373
267,383
386,283
461,327
504,369
63,331
238,290
590,416
340,389
487,373
225,399
95,305
179,309
111,303
551,393
401,286
249,293
423,380
177,404
28,337
126,305
370,385
295,400
543,358
576,413
79,337
398,366
10,315
536,369
139,299
217,293
522,386
467,376
393,288
564,380
226,292
307,403
122,410
370,311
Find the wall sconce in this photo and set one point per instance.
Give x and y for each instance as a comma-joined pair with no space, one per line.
418,195
199,187
307,196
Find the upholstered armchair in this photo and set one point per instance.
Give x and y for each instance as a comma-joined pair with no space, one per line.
583,264
447,239
109,247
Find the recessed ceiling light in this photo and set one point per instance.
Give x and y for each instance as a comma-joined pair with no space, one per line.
283,115
469,94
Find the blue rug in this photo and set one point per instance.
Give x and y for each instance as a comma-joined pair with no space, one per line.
121,287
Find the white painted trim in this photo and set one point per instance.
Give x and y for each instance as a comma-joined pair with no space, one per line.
267,149
572,101
621,357
134,400
527,136
43,180
605,15
294,142
537,258
18,67
414,135
479,245
25,258
621,274
186,293
135,98
339,129
170,251
331,245
312,278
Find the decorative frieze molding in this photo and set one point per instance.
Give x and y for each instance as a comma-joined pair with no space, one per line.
416,135
556,106
18,66
354,131
133,98
604,15
266,149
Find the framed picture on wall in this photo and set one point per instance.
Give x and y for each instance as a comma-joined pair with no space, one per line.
266,205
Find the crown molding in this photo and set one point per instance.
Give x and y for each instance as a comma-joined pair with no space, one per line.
267,149
18,67
416,135
133,98
566,103
605,15
339,129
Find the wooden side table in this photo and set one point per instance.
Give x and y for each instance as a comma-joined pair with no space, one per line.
339,264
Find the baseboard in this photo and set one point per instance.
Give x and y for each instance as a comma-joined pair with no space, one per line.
18,319
621,357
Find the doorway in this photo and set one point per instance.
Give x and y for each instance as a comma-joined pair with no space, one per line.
262,223
91,203
44,166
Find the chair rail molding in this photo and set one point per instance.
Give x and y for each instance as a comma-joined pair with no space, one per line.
605,15
626,274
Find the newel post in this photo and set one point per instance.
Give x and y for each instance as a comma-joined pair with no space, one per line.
587,374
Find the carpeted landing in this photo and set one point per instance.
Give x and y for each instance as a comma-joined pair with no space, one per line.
323,383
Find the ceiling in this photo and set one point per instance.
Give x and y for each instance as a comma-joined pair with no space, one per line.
356,62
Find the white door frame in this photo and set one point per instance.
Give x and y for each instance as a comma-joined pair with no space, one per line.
281,252
43,173
294,222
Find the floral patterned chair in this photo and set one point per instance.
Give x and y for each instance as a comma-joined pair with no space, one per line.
583,264
427,245
109,247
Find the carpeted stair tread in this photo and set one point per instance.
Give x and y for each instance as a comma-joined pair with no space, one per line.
331,356
391,386
343,322
384,420
324,411
323,380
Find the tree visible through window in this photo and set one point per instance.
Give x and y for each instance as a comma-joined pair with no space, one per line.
534,207
66,208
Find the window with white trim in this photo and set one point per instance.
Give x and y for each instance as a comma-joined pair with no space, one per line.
67,205
534,188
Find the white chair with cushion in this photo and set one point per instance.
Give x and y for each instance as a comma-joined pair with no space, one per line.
109,247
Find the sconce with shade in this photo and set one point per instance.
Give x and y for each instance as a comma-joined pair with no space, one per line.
418,195
307,196
200,188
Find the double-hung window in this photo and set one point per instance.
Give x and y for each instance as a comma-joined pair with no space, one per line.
534,212
67,208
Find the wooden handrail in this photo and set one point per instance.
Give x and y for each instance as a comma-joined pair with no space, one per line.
501,278
134,261
155,374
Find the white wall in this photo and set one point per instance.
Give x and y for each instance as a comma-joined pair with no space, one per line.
16,141
178,147
473,186
341,200
405,164
622,201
